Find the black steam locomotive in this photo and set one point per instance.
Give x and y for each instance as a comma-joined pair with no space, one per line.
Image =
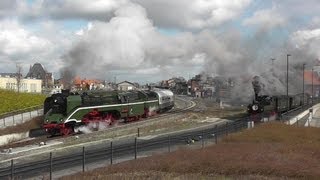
266,106
272,106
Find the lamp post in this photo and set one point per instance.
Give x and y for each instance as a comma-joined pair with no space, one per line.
303,67
272,59
288,81
312,87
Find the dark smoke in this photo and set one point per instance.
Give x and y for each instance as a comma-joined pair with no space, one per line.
67,77
256,86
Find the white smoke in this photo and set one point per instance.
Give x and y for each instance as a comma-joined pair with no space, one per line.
83,129
93,126
152,110
130,43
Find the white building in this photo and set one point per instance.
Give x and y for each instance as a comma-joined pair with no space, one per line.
126,86
26,85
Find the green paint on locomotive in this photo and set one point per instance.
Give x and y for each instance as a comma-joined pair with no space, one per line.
121,104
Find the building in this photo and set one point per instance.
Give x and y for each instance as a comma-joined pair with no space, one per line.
37,71
87,84
126,86
26,85
312,83
13,75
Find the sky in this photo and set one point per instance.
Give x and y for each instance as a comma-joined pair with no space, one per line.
151,40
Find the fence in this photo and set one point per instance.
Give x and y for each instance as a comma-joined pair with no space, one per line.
20,116
301,115
115,151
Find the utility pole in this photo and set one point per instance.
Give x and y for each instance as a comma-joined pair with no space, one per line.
272,71
303,67
288,81
312,88
272,59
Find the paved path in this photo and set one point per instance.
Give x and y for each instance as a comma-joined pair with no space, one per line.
316,119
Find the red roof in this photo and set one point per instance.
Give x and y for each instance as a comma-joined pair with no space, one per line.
308,78
78,81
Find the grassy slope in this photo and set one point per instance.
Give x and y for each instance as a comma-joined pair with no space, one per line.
270,151
23,127
12,101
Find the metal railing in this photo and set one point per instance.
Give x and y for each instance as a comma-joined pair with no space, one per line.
112,151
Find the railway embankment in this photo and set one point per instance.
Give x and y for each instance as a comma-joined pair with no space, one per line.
162,124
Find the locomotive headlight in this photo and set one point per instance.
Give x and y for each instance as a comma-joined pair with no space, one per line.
61,120
47,120
255,107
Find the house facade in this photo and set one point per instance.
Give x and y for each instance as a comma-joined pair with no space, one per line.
37,71
126,86
26,85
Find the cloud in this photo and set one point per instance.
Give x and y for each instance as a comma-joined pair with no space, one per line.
308,42
194,14
149,71
7,7
23,45
266,19
69,9
123,36
15,40
315,22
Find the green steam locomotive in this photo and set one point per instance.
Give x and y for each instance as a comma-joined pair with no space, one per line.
64,112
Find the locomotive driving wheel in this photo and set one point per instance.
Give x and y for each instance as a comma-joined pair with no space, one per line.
67,130
109,119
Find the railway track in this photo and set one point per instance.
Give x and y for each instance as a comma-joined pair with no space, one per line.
38,136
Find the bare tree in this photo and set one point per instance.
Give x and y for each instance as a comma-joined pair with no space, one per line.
18,76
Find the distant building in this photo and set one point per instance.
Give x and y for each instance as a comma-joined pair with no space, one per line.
26,85
312,83
13,75
37,71
126,86
87,84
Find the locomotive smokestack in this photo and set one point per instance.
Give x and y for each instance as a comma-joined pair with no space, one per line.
256,86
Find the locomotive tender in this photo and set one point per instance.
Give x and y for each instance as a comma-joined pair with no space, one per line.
63,112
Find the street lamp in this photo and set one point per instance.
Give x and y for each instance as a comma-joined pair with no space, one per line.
312,87
272,71
288,81
272,59
303,67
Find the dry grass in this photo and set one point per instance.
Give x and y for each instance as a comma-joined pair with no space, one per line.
270,151
23,127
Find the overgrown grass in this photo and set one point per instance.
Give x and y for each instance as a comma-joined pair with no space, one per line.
12,101
270,151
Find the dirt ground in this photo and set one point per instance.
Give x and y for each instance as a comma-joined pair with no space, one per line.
270,151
